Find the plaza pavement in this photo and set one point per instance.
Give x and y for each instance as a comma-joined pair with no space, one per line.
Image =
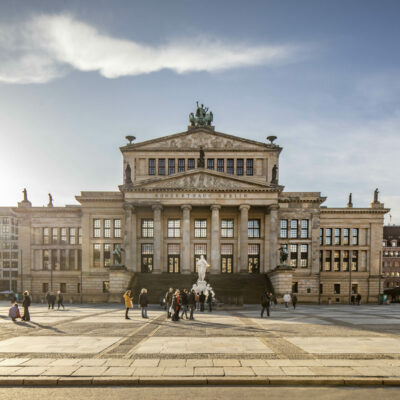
95,345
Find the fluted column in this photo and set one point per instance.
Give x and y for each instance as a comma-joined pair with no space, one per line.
273,235
158,238
244,219
215,242
186,238
128,208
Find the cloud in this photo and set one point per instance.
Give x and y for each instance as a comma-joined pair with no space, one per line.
47,46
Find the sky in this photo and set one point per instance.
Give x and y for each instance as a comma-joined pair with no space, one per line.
323,76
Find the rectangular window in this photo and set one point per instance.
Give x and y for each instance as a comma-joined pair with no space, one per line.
174,228
253,228
199,249
336,260
304,255
96,228
181,165
336,239
191,163
63,260
227,228
71,260
63,235
96,255
200,228
173,258
161,166
293,228
117,228
46,260
79,235
321,260
72,235
46,237
321,236
171,166
147,228
54,235
328,260
45,287
336,288
328,236
249,167
107,255
221,165
210,163
254,258
147,257
304,229
355,236
354,260
346,236
152,166
107,228
63,287
230,166
284,228
293,255
226,258
345,264
239,166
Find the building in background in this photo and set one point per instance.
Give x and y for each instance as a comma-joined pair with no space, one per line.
9,254
391,256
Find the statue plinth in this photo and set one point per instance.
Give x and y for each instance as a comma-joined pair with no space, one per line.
284,267
117,267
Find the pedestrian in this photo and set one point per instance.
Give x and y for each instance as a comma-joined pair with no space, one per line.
52,300
48,298
26,302
286,299
176,305
197,298
274,299
13,312
352,299
192,303
294,300
358,298
184,298
209,300
168,299
128,303
60,300
265,303
202,299
143,302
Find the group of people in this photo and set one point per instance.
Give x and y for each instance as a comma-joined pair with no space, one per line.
268,300
143,302
51,300
355,299
14,312
179,302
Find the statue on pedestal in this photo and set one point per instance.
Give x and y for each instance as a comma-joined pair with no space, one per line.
202,117
25,194
117,253
274,180
376,192
50,201
202,266
284,255
128,177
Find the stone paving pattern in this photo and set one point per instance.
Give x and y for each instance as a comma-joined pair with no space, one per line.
96,341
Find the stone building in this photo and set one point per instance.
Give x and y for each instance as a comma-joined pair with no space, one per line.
391,256
201,192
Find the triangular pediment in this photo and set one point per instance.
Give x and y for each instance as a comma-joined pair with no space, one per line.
195,138
201,180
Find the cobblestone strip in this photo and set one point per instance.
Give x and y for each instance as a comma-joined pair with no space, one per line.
284,349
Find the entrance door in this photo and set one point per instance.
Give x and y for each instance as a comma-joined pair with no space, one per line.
147,263
254,264
226,264
174,263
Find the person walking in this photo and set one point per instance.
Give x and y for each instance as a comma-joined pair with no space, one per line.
192,303
168,299
13,312
209,300
52,300
128,303
176,305
202,299
286,300
265,303
294,300
358,299
26,302
143,302
48,299
184,298
60,300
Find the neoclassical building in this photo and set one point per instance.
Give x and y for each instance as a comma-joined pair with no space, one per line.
201,192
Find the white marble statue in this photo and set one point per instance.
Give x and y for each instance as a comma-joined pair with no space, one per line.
202,266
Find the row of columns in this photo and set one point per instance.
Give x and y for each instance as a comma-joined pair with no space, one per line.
130,237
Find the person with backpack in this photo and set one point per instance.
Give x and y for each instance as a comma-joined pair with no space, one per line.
13,312
265,303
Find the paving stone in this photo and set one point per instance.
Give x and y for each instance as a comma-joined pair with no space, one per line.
92,362
209,371
253,363
60,371
29,371
202,362
226,362
118,362
148,371
10,362
5,371
280,363
178,371
119,371
267,371
90,371
65,362
341,363
334,371
151,362
172,363
306,363
238,371
373,371
297,371
38,362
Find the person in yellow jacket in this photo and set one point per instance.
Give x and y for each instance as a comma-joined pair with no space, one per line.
128,302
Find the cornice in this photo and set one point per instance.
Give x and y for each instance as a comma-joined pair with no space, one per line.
354,210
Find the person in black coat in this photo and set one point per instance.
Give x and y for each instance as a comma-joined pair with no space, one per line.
209,300
265,303
143,302
26,302
191,303
202,299
184,298
294,300
60,300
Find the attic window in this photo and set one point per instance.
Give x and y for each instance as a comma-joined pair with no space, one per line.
190,163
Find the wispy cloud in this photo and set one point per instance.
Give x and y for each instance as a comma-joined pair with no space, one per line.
47,46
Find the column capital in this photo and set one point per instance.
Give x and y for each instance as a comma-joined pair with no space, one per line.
186,207
215,207
244,207
129,207
157,207
273,207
